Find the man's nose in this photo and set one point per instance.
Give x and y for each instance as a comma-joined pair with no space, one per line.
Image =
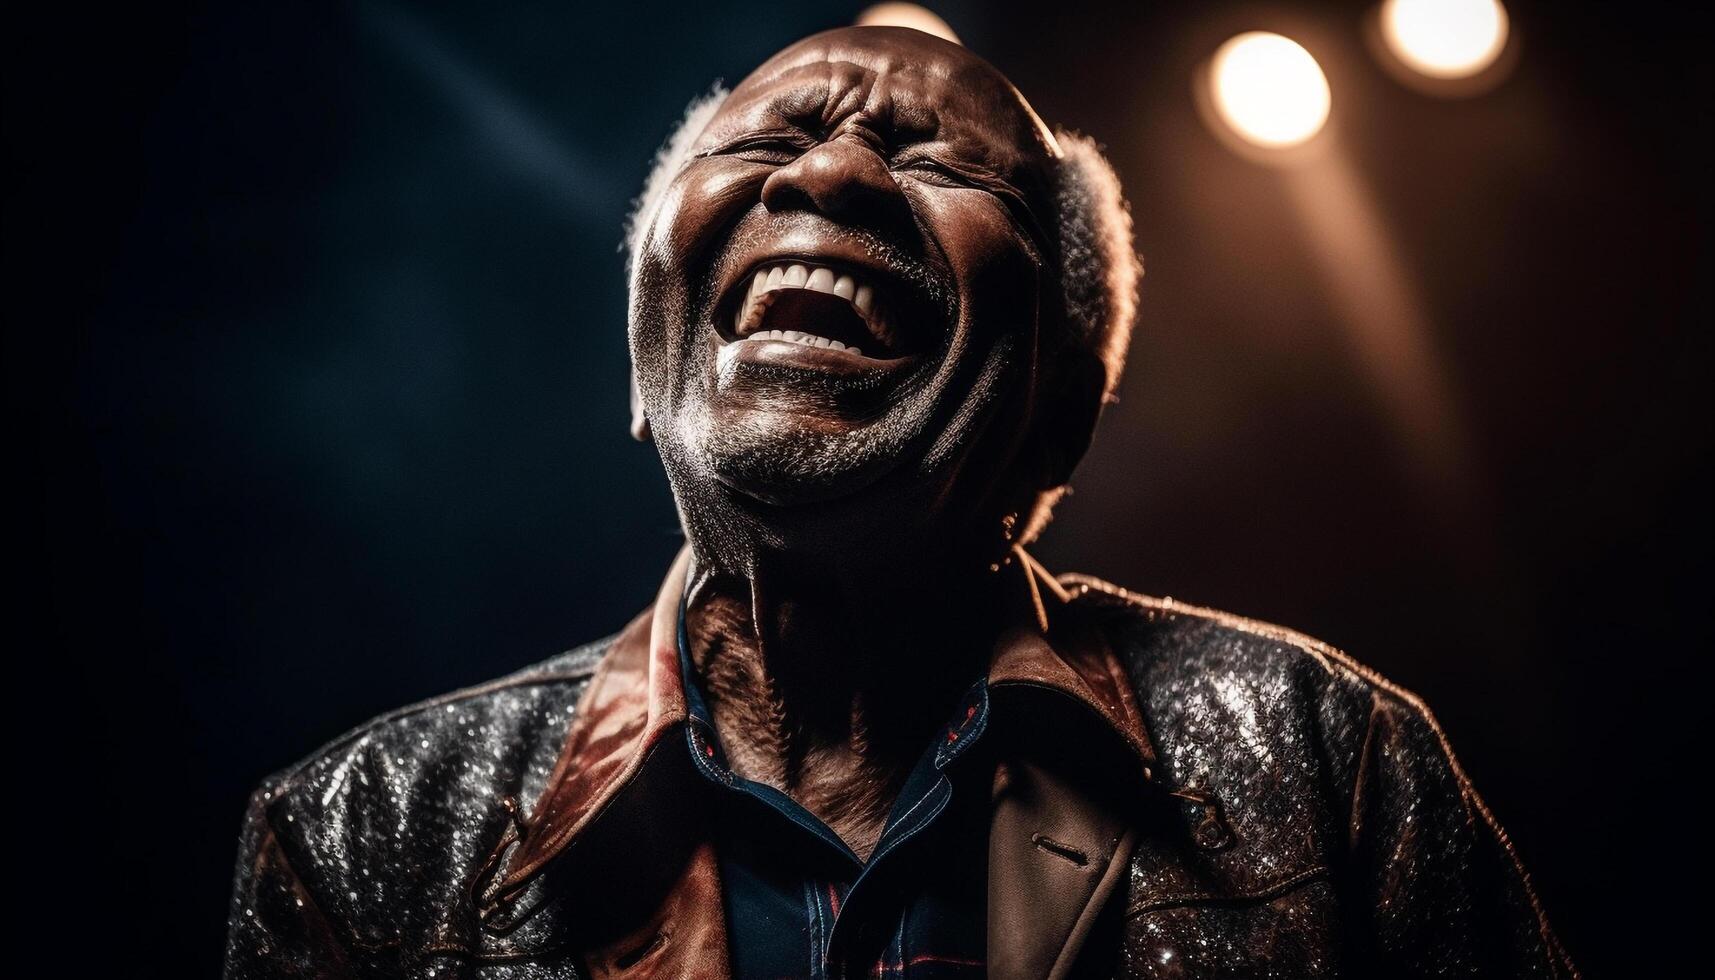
845,180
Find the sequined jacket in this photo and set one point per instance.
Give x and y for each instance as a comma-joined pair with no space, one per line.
1214,797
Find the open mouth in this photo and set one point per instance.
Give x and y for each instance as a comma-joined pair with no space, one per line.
842,310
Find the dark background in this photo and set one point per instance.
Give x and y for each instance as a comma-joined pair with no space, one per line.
316,346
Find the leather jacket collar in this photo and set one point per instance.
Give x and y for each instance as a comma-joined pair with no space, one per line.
633,714
1304,817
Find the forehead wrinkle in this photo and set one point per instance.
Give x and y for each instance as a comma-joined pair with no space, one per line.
812,69
912,90
863,57
919,56
781,93
836,91
848,95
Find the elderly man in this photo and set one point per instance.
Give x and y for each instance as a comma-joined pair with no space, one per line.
876,306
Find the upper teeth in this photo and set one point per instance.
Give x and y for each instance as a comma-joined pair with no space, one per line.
769,280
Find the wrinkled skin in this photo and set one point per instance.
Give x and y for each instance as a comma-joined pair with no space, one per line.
900,155
841,504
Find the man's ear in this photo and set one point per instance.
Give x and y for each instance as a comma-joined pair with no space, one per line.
1066,419
639,421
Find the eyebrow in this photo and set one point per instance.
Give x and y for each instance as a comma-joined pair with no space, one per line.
805,104
794,104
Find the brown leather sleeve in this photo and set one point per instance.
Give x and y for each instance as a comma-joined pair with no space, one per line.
275,929
1436,888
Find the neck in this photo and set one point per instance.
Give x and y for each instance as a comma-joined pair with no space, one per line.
827,682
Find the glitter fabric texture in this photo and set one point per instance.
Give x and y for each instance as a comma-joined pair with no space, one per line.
1305,819
360,861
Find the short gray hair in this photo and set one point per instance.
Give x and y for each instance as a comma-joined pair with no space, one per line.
1098,263
669,160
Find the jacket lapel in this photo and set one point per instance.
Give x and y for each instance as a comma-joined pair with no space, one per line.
601,819
1056,855
1060,833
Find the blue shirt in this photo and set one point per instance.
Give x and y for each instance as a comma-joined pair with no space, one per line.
800,903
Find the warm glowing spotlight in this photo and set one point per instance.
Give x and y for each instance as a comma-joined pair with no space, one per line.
1445,38
1269,90
906,15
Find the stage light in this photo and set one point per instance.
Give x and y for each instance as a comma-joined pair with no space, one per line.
1268,90
1445,39
907,15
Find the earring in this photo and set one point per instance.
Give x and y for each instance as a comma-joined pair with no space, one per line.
1007,526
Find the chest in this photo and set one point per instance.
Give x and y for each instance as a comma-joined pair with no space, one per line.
1170,920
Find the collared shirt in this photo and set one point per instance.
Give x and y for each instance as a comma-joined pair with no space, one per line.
800,903
612,808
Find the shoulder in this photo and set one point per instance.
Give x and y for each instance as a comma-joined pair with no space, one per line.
1320,777
420,735
1197,660
384,824
1274,724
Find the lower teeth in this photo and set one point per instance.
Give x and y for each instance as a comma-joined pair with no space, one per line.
807,340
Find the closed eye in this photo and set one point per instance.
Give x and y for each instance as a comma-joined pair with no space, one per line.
933,171
774,149
930,170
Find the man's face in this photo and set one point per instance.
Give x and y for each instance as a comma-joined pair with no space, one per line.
835,304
